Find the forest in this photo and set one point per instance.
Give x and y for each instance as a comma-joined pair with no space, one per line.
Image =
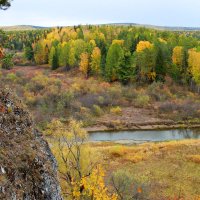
115,53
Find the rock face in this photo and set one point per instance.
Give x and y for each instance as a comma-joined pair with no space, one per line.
28,170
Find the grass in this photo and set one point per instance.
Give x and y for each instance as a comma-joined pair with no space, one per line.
170,170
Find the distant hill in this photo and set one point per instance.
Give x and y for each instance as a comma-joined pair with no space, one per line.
169,28
21,28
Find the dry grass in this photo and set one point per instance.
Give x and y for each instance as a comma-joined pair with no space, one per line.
171,170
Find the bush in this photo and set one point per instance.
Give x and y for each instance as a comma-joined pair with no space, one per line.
40,82
129,93
7,61
12,77
97,110
116,110
126,187
142,100
158,91
181,111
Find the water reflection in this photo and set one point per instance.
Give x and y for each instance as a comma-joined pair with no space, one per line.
144,136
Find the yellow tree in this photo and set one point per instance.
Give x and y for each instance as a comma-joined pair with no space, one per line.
41,52
81,176
120,42
142,45
194,65
178,56
84,64
95,60
146,60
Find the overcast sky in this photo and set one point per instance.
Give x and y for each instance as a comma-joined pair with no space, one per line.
71,12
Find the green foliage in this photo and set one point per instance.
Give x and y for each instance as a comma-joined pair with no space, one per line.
7,61
125,186
142,100
114,62
116,53
29,54
97,110
53,58
12,77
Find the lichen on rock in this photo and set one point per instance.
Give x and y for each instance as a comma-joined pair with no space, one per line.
28,169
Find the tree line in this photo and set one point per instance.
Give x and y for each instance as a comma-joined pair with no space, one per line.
117,53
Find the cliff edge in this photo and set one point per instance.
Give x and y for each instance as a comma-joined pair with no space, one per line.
28,170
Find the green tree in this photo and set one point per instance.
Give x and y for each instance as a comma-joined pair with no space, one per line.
126,72
163,59
7,61
29,54
145,62
114,62
53,58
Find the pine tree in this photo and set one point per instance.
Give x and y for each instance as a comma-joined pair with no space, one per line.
114,61
53,58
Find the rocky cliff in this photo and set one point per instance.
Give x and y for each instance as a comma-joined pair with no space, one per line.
27,166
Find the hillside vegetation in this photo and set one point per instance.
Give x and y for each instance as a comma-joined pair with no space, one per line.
108,77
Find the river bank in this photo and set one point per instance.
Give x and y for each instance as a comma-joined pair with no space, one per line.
138,119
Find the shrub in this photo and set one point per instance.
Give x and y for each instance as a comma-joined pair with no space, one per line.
7,61
30,98
40,82
142,100
181,111
158,91
116,110
12,77
88,100
125,186
97,110
129,93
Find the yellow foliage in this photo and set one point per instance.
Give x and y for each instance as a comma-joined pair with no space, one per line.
84,64
120,42
178,56
96,60
194,64
116,110
94,186
93,43
162,40
29,96
80,177
142,45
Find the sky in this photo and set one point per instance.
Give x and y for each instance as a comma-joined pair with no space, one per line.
73,12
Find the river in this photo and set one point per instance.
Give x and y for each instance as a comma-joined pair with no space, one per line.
144,135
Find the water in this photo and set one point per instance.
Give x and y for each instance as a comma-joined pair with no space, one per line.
145,136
